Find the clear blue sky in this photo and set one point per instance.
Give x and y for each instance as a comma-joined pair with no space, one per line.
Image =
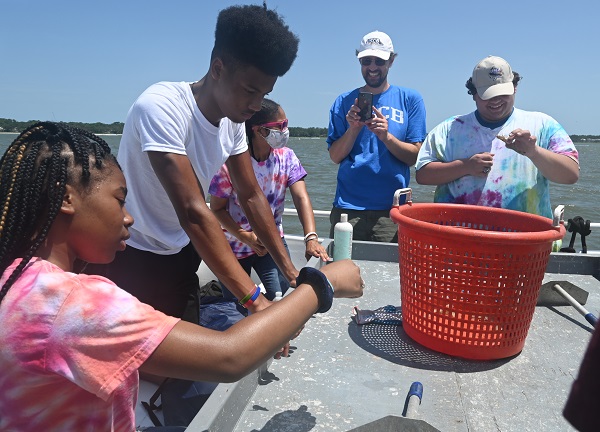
78,60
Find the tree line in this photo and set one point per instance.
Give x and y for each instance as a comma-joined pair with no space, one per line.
10,125
579,138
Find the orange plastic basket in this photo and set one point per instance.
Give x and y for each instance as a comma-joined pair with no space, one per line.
470,276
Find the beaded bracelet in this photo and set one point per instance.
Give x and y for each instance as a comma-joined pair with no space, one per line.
250,298
320,284
310,236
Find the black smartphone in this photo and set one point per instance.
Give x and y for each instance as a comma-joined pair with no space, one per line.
365,103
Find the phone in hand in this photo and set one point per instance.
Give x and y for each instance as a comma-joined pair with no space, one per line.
365,103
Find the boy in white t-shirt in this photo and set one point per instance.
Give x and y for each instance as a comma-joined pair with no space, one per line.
176,136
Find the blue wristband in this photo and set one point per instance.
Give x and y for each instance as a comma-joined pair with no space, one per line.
320,284
250,298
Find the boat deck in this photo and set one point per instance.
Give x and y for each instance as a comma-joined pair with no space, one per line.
341,375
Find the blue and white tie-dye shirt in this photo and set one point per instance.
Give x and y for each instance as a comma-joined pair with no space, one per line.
514,182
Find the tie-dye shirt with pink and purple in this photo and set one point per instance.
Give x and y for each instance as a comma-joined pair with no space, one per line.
71,348
514,182
274,175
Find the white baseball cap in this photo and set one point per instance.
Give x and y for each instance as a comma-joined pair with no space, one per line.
376,44
493,77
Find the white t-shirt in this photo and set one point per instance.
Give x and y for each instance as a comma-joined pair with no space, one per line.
166,118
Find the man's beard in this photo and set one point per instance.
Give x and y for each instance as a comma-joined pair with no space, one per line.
375,82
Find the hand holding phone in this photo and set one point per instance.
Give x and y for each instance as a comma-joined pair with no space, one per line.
365,103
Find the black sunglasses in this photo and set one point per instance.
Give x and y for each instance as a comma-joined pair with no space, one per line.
366,61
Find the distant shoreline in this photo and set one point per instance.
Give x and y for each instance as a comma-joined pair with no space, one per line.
580,140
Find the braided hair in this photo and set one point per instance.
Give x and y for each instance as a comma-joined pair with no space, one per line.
267,113
34,172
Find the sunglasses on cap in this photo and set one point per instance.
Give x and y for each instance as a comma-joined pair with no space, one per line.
281,125
366,61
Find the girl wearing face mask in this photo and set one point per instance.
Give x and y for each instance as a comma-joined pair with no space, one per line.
276,168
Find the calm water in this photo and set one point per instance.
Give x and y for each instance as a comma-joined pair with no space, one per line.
579,199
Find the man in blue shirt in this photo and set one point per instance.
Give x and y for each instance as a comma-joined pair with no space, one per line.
375,155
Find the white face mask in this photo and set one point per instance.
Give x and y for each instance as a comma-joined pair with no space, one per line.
277,139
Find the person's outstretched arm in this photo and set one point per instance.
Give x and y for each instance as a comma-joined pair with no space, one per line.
307,219
195,353
177,176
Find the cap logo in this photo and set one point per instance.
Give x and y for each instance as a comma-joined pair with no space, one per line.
496,74
374,41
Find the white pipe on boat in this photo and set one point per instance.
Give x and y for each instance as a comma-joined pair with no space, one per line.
294,212
325,214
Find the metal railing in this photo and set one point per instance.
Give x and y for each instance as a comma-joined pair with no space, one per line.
322,214
318,213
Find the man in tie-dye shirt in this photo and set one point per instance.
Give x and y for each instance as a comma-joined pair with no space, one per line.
498,155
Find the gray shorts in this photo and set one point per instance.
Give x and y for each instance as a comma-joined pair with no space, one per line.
369,225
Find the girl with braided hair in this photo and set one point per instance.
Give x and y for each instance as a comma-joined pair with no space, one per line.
35,171
72,344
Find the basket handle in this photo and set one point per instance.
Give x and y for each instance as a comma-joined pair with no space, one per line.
399,193
559,214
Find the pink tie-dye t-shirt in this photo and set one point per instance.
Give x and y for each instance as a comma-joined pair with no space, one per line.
71,348
274,175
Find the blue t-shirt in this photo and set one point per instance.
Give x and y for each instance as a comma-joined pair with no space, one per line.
368,177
